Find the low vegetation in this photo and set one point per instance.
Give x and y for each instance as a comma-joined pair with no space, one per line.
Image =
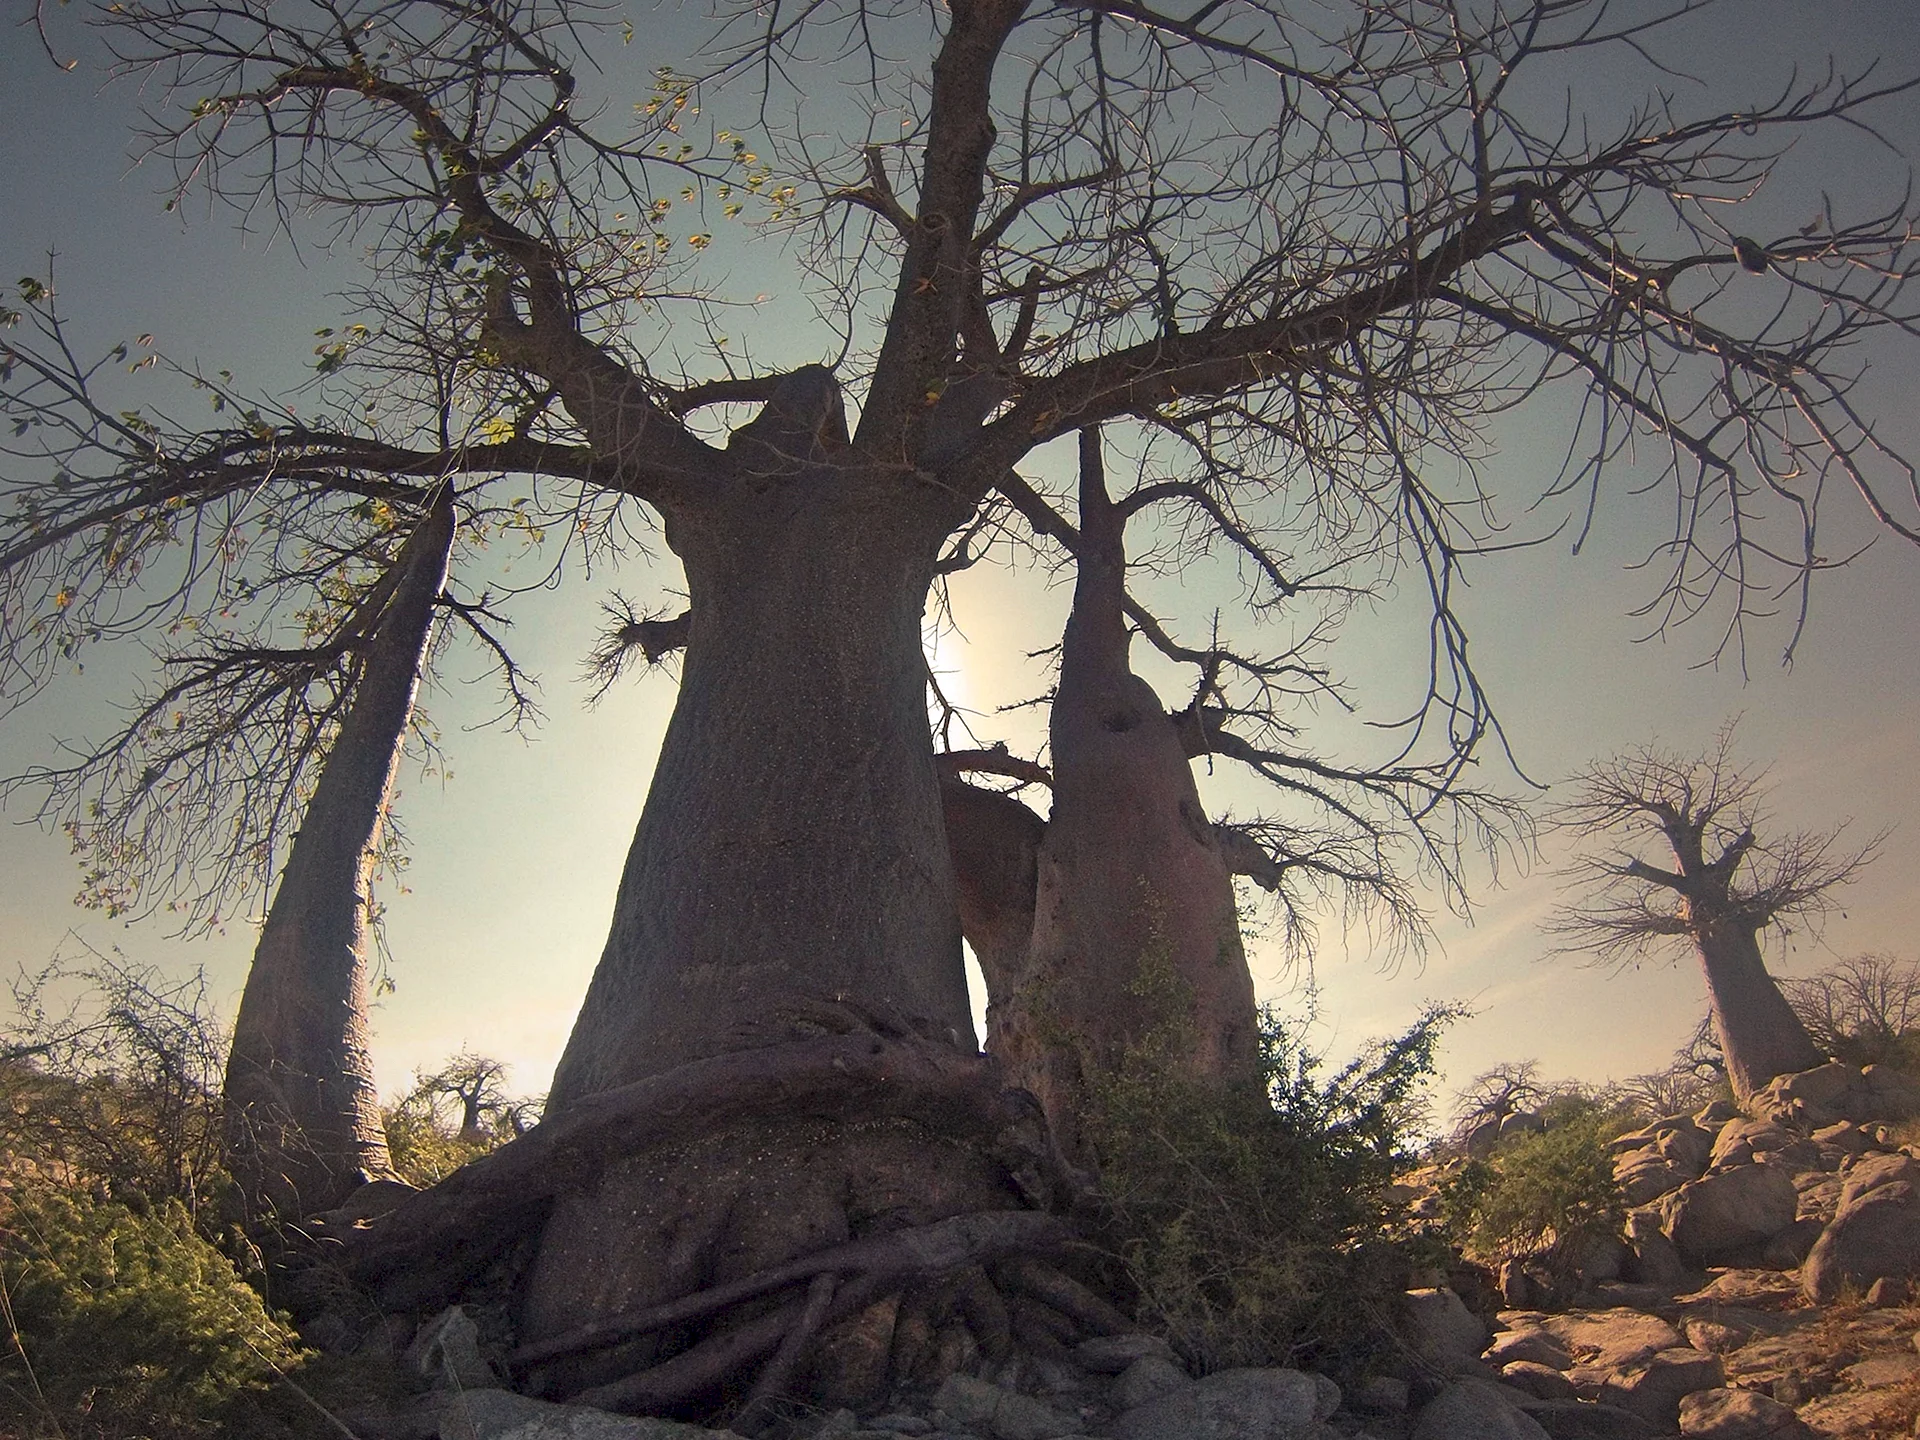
1261,1233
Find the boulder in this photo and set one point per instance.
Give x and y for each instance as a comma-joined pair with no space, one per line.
490,1414
1740,1141
1738,1415
1646,1175
1875,1235
1529,1346
1441,1331
1791,1245
1522,1122
1890,1094
1871,1172
1474,1410
1653,1260
1653,1388
1232,1405
1608,1338
1727,1211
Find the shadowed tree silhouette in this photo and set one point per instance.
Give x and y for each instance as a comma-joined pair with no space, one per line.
1725,885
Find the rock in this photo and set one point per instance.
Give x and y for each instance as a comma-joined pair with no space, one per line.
1516,1289
502,1415
1893,1095
1792,1245
1441,1331
1743,1140
1738,1415
1871,1172
1584,1420
1148,1378
1543,1382
1474,1410
1887,1292
1876,1234
1727,1211
1823,1085
975,1405
1716,1337
1654,1260
1611,1338
1644,1176
1878,1371
1530,1346
446,1353
1231,1405
1845,1137
1383,1394
1602,1259
1767,1287
1112,1354
1653,1388
900,1424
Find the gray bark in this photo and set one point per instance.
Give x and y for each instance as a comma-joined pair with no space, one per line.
303,1120
1760,1036
792,851
1136,942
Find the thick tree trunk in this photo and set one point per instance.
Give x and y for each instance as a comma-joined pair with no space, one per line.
790,876
303,1123
791,854
1135,943
1759,1034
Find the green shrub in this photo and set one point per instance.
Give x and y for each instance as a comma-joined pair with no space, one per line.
1259,1233
1545,1197
128,1326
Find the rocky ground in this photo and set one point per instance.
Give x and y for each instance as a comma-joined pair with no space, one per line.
1760,1291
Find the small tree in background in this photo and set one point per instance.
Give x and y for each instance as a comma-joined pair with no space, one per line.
1727,885
454,1114
1865,1010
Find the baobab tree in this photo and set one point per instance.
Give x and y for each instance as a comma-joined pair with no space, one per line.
1716,888
1290,264
302,1107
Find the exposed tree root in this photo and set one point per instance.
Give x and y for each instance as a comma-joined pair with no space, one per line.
926,1250
418,1254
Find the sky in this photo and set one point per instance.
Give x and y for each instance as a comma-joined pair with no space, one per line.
516,850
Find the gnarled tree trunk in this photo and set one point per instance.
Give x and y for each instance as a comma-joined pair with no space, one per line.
303,1120
1135,942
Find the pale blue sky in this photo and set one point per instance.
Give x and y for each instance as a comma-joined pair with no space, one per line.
516,854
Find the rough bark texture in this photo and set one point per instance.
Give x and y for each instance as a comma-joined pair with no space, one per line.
302,1111
1760,1036
1135,936
792,847
790,874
